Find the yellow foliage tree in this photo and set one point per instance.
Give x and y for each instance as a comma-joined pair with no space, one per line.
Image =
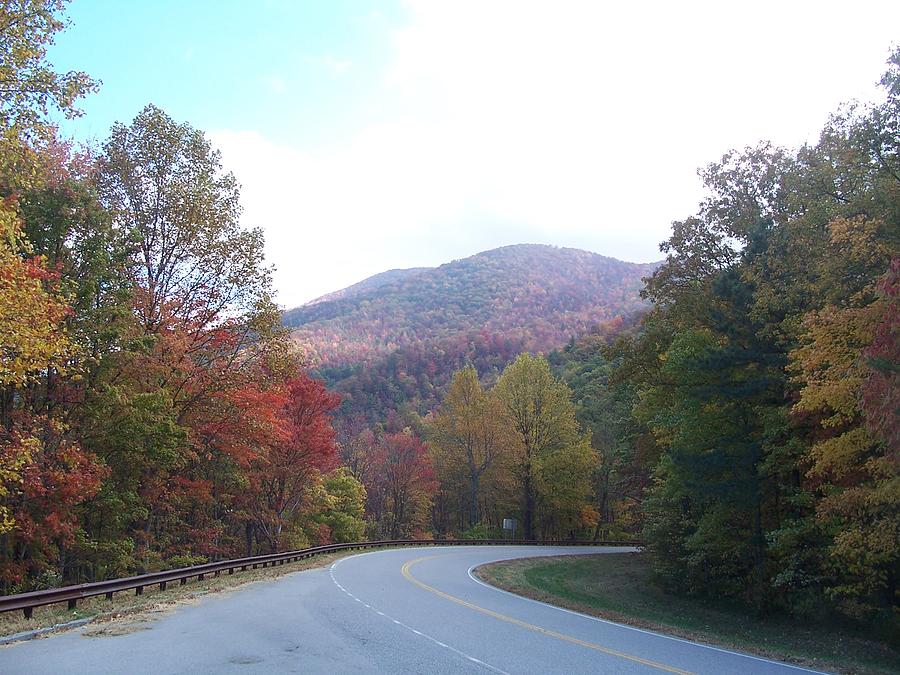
469,442
860,483
556,460
32,331
32,338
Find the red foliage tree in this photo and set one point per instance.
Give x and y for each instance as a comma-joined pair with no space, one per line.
279,479
57,476
403,483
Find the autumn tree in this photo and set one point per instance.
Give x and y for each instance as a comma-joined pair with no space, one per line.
555,460
29,85
402,485
281,477
859,466
32,312
167,190
65,223
468,438
336,508
203,338
881,390
57,477
153,410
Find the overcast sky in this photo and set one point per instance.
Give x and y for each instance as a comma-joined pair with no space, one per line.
370,136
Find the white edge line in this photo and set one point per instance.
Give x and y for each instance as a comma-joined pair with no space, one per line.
639,630
409,628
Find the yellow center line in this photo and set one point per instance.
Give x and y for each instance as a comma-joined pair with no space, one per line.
529,626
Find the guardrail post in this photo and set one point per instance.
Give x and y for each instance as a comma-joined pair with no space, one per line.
182,581
199,577
139,590
218,572
72,604
28,611
109,595
162,585
230,570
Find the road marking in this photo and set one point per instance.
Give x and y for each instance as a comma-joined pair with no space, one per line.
481,663
529,626
634,628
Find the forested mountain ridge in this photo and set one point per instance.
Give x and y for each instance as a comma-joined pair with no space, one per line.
550,293
366,285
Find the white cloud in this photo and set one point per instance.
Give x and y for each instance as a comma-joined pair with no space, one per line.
569,123
331,63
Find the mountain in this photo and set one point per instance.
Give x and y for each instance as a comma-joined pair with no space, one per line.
392,341
551,293
370,284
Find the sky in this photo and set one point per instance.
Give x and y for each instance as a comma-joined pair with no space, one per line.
376,135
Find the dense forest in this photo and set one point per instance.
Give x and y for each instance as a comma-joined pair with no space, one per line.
391,343
410,381
544,293
739,414
153,412
748,428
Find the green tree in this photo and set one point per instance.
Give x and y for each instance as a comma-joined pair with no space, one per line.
338,507
624,445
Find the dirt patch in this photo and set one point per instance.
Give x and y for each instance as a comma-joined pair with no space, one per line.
115,629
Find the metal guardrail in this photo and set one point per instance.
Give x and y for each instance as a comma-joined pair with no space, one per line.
72,594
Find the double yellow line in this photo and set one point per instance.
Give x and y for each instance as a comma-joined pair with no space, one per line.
405,570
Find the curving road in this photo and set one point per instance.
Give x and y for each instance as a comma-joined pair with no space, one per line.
413,610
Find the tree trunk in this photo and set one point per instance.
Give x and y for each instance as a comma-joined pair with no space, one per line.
248,534
473,506
528,525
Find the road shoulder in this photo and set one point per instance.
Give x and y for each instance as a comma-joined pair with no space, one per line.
619,588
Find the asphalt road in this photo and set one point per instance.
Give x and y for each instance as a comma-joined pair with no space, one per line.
416,610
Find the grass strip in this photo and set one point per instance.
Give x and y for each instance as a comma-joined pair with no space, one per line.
620,587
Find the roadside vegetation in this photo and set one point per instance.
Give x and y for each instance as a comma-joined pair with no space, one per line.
153,603
621,587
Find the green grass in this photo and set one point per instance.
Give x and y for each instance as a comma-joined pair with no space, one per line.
620,587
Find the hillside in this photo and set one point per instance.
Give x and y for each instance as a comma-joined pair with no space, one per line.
545,293
392,341
370,284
